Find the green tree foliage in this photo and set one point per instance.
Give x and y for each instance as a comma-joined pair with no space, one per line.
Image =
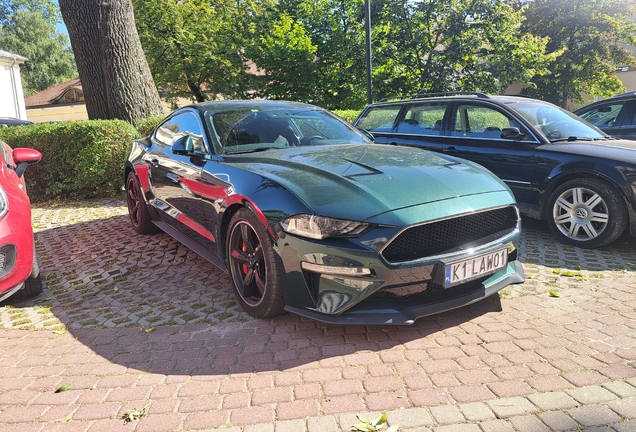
336,31
48,8
194,47
585,42
442,45
29,31
286,55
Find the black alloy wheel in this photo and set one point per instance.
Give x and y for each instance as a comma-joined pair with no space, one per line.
137,208
253,266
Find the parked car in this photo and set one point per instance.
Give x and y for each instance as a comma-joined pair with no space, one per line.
615,116
559,167
10,121
307,215
19,270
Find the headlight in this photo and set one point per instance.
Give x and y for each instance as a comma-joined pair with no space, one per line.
319,227
4,203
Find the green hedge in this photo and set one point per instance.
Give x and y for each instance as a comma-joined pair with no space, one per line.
348,115
80,159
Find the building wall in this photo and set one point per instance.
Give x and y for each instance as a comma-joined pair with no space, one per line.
11,93
57,113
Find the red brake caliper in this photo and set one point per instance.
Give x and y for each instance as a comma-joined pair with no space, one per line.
245,267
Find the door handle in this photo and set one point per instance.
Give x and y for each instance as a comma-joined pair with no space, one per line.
154,162
450,150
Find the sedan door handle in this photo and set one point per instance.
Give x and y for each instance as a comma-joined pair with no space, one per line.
450,150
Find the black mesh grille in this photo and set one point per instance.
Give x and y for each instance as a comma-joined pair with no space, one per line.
445,235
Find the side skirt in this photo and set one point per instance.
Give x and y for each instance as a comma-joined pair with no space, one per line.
196,247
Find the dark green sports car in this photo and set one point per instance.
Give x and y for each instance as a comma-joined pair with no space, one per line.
308,215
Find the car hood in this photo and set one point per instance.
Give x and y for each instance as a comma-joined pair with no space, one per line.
608,149
363,181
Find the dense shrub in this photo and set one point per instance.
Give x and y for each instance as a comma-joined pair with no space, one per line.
145,126
348,115
80,159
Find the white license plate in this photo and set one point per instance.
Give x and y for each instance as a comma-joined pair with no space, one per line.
473,268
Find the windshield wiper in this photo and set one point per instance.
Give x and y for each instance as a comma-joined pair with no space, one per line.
260,149
570,138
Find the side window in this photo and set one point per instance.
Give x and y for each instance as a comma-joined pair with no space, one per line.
182,124
481,122
423,119
379,119
604,115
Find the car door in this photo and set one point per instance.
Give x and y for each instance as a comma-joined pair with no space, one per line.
415,125
627,121
176,178
421,125
475,133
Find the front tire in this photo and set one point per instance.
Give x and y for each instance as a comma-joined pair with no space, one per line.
137,208
587,213
253,266
33,284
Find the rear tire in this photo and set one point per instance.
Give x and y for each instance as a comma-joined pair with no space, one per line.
137,208
587,213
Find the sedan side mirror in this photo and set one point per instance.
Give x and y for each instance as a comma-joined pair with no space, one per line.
512,133
24,157
183,145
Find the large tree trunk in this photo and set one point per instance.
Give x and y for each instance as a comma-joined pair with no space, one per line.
114,72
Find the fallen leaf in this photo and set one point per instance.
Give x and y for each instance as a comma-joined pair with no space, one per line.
554,294
63,388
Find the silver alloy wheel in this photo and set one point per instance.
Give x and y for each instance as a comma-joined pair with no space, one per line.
580,214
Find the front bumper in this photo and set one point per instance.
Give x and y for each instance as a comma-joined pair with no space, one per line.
370,290
378,311
16,248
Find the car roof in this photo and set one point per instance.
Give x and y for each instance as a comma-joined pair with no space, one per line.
12,121
454,95
260,105
627,95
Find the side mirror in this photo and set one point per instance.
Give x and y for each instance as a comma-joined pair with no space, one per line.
512,133
183,145
24,157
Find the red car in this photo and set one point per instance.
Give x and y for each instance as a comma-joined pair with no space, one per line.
19,271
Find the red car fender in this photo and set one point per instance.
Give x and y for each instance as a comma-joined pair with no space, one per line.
246,202
143,174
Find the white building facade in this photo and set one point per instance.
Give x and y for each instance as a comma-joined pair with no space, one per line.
11,93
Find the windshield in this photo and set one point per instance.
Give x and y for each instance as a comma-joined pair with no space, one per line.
249,130
556,124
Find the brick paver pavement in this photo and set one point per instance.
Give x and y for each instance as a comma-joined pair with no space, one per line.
133,322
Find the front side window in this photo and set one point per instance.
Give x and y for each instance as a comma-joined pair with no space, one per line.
603,115
480,122
176,127
423,119
379,119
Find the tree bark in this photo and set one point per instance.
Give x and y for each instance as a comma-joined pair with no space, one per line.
111,63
